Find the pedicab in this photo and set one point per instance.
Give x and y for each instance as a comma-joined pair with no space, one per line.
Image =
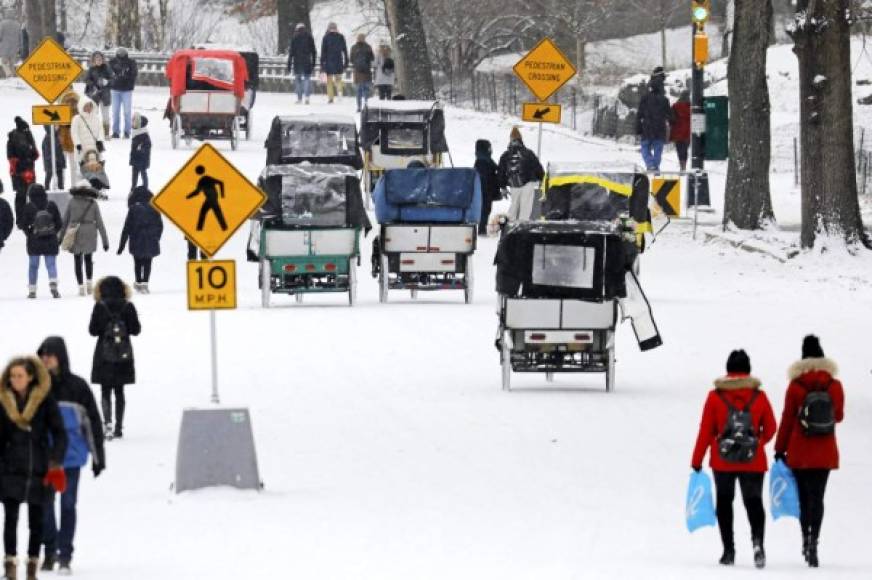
308,232
320,139
428,230
395,133
207,93
565,280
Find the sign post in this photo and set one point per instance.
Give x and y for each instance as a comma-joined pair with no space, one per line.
700,12
544,70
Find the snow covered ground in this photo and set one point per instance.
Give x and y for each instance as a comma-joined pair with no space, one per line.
388,449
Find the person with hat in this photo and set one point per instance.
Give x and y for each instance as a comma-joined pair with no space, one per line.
806,441
41,221
488,174
124,71
334,61
653,119
679,132
22,153
362,58
737,423
520,171
98,88
301,61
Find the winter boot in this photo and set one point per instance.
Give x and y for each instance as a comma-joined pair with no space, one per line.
108,431
759,555
89,286
48,562
82,290
144,288
806,539
32,567
729,557
53,286
64,568
31,291
10,568
812,552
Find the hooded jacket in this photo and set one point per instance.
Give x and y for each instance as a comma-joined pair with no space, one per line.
7,221
301,53
518,159
87,129
738,390
334,53
124,72
21,149
143,226
70,99
112,297
655,114
98,82
32,438
804,451
140,144
78,409
38,201
488,172
83,210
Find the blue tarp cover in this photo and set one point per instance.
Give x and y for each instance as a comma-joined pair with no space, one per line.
449,195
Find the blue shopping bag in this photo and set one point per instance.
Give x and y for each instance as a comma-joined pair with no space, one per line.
783,495
700,507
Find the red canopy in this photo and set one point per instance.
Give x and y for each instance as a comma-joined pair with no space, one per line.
178,70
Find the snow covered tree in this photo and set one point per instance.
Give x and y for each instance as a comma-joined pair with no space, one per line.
129,32
748,204
822,43
411,57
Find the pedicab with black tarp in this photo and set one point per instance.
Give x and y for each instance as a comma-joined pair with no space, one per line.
564,278
429,220
319,139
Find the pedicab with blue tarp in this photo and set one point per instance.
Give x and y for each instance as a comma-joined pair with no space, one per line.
428,223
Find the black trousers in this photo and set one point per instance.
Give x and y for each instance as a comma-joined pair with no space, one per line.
137,173
681,148
35,517
752,495
812,485
194,252
486,206
88,261
142,269
49,174
384,92
106,402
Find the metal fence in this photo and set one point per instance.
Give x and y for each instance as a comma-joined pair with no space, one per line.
863,161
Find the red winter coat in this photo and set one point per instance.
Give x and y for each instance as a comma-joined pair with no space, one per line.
680,132
738,390
803,451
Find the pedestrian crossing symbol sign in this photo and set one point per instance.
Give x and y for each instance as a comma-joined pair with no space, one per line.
209,199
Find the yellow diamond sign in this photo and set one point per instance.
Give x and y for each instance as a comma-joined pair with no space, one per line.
209,199
49,70
544,69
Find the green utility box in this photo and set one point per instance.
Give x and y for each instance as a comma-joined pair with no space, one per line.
717,128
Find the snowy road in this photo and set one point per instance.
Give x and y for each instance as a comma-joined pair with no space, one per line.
386,445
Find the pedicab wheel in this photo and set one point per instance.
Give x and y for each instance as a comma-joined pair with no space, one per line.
265,279
610,362
248,120
352,282
549,377
506,362
414,293
298,297
175,131
468,281
234,134
383,280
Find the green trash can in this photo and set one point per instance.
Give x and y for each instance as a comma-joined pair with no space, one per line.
717,126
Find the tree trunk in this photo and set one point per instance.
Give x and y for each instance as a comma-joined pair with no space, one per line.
129,30
663,44
110,33
164,9
747,203
411,58
49,18
830,204
290,13
33,10
62,16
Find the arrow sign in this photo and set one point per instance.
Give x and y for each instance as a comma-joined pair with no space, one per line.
541,112
52,115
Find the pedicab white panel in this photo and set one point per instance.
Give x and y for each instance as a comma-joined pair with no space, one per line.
452,239
194,102
588,315
333,242
532,313
406,238
287,243
221,102
433,262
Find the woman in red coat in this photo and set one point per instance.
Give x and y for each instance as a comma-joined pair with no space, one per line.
810,456
738,392
680,131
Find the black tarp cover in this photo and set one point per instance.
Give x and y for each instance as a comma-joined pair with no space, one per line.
319,140
377,121
596,196
307,195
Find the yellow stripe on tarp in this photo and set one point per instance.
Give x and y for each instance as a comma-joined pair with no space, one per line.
613,186
644,228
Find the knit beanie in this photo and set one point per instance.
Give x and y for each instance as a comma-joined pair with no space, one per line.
738,363
811,347
515,135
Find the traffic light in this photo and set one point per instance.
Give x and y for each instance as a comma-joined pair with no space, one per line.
700,11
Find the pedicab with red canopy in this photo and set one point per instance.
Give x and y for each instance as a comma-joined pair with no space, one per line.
207,89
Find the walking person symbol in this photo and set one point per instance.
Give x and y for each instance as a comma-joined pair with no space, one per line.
211,189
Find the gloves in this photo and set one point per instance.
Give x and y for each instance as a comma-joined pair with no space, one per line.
782,457
78,147
13,165
120,251
696,468
106,248
97,468
56,478
100,147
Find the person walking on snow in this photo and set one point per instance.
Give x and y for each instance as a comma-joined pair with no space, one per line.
84,436
679,132
22,154
301,61
334,61
82,222
87,130
41,222
362,58
143,227
140,150
488,173
737,410
113,321
57,159
520,170
7,220
806,441
653,119
33,442
124,71
385,72
98,86
65,135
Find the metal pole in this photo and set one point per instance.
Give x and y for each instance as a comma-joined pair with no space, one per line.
215,398
539,145
698,135
696,205
51,156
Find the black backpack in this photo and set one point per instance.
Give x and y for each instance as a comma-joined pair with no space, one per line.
738,442
515,169
388,66
816,415
116,346
43,224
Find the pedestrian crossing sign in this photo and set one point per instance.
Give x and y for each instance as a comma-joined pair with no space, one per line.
209,199
49,69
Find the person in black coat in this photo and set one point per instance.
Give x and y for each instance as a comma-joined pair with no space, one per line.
520,170
84,436
140,150
334,60
143,228
653,120
60,162
22,154
41,221
488,173
7,220
124,71
114,318
98,86
301,61
33,442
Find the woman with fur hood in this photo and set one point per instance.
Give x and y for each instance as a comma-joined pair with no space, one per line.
83,215
113,321
807,443
737,392
87,129
33,442
65,135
